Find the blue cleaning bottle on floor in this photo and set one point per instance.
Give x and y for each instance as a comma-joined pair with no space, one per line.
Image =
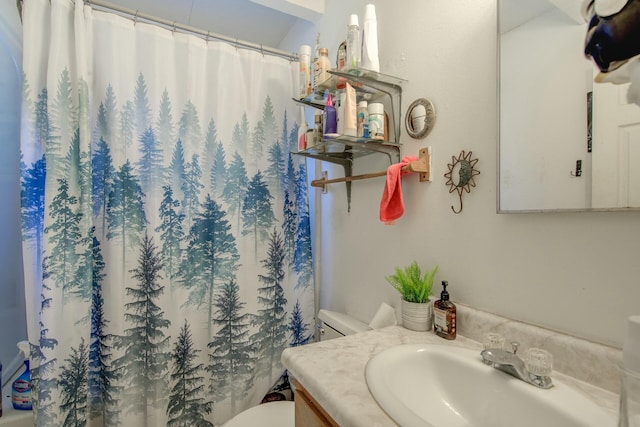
21,389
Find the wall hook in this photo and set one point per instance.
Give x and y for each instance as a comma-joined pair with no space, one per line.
459,210
460,177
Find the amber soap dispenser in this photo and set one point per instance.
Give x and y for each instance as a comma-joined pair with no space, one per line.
444,312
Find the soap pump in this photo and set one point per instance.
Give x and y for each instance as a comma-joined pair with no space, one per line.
21,389
444,312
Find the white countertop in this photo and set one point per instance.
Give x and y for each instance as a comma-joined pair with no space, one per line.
333,372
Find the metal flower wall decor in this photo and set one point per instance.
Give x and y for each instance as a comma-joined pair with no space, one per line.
460,175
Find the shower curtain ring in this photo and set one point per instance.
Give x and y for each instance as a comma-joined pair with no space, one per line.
262,50
173,30
236,44
207,38
135,18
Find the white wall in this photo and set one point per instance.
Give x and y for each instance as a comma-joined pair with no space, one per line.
577,273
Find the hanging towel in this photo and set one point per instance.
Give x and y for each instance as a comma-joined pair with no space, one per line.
391,205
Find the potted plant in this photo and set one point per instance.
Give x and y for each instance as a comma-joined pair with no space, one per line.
414,288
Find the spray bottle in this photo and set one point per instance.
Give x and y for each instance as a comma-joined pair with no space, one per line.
21,389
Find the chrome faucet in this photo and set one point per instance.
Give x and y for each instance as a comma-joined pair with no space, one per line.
534,371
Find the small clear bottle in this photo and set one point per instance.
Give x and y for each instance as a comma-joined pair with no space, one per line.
353,43
321,67
444,313
318,134
341,59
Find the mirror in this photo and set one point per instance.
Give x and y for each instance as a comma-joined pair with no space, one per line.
552,116
420,118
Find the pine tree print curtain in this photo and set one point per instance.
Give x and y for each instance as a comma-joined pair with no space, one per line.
166,230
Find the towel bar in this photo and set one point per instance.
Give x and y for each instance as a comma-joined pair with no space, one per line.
421,166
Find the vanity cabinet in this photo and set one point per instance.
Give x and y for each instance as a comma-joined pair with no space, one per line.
370,86
308,412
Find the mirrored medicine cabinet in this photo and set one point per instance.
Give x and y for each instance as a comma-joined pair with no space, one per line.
565,142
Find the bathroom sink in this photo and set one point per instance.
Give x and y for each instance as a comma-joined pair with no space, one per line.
443,386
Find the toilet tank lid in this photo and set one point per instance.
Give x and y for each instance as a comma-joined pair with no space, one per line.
342,323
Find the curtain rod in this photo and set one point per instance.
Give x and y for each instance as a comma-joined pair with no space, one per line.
135,15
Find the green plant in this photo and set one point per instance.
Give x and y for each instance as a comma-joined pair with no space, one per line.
411,284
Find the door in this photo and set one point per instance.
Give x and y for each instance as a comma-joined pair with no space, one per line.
616,148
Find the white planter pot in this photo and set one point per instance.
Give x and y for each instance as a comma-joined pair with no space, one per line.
417,316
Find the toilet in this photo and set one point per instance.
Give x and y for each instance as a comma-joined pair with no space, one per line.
281,414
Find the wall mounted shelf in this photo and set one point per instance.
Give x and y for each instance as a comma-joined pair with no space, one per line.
343,150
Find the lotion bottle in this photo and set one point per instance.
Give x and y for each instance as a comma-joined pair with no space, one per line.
444,312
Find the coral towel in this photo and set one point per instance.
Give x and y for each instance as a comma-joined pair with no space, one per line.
391,205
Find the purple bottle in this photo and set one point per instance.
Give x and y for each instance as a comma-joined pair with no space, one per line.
330,118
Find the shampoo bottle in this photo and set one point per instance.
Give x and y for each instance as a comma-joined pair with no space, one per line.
444,313
21,389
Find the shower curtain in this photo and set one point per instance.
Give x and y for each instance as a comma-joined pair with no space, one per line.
166,230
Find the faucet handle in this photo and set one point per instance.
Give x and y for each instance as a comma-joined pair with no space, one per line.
492,340
514,346
538,362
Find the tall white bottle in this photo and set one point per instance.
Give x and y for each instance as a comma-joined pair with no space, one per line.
354,56
370,59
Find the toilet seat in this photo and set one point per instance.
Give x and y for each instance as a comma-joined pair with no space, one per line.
272,414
